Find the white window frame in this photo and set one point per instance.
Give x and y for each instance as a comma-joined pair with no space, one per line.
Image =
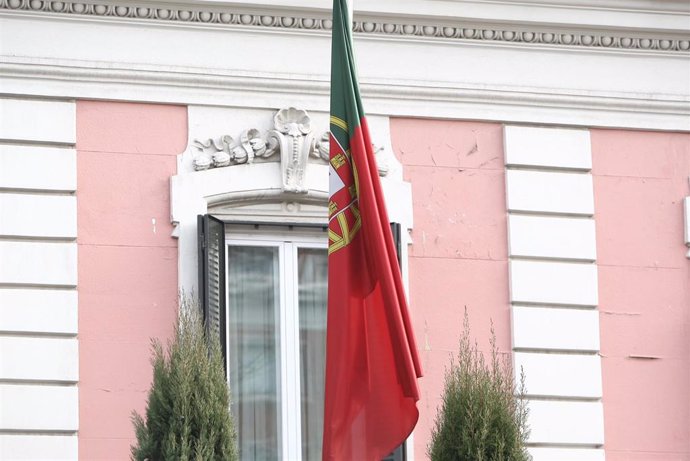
240,187
288,243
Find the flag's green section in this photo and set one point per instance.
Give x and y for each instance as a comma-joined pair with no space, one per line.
346,105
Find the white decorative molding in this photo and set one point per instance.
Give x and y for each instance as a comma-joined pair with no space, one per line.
291,136
554,288
229,17
516,103
263,190
473,59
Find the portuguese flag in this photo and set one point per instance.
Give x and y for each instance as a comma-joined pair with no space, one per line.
371,356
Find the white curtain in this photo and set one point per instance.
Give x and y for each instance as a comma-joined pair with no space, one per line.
253,287
313,278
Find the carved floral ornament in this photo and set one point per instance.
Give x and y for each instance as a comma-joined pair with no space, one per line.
291,137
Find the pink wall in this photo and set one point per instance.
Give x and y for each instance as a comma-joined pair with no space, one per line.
459,257
127,261
640,180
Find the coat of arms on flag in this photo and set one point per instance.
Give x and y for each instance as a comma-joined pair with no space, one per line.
343,207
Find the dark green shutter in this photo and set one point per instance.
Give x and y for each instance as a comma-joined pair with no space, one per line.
396,229
212,277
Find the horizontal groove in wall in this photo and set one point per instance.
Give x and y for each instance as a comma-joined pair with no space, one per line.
583,446
29,142
555,305
36,432
547,169
558,398
551,214
53,192
38,382
37,286
28,97
22,286
22,238
552,259
37,334
535,350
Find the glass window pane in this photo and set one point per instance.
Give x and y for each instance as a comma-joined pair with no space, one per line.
253,350
313,277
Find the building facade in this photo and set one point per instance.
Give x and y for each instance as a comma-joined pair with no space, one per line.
536,156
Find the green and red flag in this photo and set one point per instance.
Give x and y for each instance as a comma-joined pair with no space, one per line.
372,364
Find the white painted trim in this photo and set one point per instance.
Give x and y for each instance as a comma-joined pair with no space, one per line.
547,147
566,454
50,216
554,288
39,368
551,237
580,64
436,99
20,259
560,375
550,328
39,359
36,447
238,191
236,188
45,408
550,192
312,16
38,168
38,121
686,203
566,423
547,282
38,311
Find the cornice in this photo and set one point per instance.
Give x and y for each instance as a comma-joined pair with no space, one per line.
391,97
204,15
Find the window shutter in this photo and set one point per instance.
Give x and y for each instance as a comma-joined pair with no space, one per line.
212,277
396,229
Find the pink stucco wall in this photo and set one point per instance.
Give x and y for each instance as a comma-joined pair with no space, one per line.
640,180
127,261
459,255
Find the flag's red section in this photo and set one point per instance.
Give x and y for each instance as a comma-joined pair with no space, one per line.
371,364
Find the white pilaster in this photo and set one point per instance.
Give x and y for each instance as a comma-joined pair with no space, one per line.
554,289
39,368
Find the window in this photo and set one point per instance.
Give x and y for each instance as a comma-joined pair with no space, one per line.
264,294
276,300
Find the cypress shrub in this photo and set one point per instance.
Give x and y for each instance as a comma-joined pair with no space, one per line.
483,414
188,406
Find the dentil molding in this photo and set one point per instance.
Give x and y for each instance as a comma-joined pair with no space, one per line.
208,15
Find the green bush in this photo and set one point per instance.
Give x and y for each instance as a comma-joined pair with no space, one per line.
188,413
483,416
